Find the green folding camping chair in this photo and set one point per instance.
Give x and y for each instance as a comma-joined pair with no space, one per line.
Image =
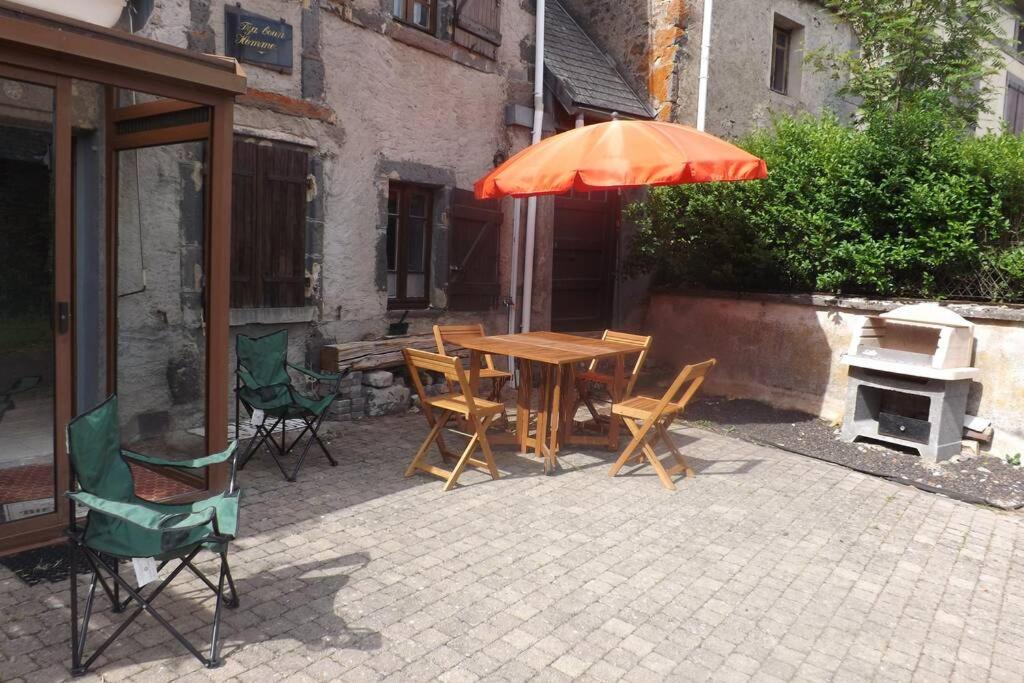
121,525
264,387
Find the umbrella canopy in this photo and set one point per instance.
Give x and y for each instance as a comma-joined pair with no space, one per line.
619,154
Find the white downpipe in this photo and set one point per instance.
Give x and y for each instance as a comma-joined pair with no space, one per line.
705,61
531,203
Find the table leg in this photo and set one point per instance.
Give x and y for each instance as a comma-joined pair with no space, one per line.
523,404
618,386
474,371
543,408
569,403
556,416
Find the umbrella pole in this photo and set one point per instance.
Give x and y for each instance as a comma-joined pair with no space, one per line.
538,133
513,282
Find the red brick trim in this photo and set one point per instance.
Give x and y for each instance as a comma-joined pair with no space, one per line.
262,99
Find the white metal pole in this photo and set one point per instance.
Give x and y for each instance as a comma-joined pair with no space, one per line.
705,61
531,203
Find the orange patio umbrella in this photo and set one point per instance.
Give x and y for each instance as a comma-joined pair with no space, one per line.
619,154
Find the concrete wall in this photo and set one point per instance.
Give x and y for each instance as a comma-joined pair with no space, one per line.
785,350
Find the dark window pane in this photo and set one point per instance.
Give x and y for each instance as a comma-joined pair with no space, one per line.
415,229
27,243
392,242
421,14
416,286
418,205
780,61
408,243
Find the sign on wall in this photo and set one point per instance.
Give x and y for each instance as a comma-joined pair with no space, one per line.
258,40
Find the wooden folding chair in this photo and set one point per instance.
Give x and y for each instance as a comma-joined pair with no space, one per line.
648,420
499,378
585,381
477,413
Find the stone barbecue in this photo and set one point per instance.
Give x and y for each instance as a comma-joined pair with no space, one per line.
910,374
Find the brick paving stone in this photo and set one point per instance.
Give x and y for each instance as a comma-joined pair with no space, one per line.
767,566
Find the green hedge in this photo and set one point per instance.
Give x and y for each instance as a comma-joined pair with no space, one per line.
901,205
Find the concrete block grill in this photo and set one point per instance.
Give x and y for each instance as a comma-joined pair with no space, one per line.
910,374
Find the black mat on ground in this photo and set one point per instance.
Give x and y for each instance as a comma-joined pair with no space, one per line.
49,564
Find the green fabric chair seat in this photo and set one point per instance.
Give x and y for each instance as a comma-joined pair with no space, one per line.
124,538
123,525
264,387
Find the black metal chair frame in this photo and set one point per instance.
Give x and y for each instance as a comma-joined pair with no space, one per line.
80,631
265,437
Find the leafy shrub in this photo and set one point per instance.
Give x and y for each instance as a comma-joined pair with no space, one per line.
894,207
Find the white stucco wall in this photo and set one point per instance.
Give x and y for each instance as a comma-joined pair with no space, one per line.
1011,68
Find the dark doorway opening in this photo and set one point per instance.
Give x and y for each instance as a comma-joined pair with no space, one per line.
27,373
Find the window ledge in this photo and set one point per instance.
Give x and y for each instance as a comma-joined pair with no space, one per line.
419,38
428,312
272,316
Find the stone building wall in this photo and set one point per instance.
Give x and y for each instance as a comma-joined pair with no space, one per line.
739,97
657,43
622,29
372,101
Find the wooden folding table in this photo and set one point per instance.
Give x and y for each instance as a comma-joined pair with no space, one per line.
555,353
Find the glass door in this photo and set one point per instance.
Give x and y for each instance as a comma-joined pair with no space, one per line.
160,169
35,316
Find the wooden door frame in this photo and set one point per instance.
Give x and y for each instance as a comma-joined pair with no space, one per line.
54,50
25,531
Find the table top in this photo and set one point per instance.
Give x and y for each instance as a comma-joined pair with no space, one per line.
554,348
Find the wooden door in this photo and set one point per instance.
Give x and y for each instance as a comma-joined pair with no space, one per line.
583,268
474,236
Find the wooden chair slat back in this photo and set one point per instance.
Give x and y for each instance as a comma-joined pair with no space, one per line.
450,366
692,377
643,345
443,331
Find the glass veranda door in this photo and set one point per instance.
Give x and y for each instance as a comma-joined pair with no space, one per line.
160,161
35,299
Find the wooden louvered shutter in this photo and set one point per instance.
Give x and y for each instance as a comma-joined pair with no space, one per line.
282,224
1015,106
268,225
245,286
474,232
478,26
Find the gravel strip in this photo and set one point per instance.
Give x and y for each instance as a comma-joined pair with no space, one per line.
986,480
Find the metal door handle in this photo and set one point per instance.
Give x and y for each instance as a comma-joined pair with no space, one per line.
63,317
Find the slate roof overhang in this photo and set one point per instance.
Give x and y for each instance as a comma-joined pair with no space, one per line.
580,75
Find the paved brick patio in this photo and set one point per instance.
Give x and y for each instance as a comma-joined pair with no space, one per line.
768,566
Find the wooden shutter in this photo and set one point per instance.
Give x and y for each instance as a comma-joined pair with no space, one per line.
245,285
1014,113
268,225
282,224
474,232
478,26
